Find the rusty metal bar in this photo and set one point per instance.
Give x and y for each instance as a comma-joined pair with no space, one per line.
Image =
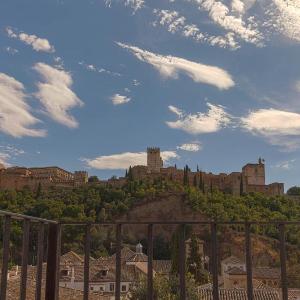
87,250
248,250
52,262
214,261
150,262
118,262
25,250
284,287
58,253
40,257
182,263
5,256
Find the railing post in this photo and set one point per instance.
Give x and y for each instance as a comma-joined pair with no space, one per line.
248,250
214,259
150,262
52,277
118,262
87,248
182,263
5,256
284,286
25,249
40,257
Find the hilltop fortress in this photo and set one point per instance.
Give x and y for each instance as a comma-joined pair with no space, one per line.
250,179
19,177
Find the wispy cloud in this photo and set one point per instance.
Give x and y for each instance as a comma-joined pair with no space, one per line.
124,160
213,120
118,99
170,67
16,118
286,164
93,68
190,147
134,4
38,44
232,19
280,127
11,50
175,23
9,152
55,94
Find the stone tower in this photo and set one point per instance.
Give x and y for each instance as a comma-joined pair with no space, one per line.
254,174
154,160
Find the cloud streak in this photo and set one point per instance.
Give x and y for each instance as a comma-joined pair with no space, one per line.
171,66
213,120
55,94
122,161
16,118
118,99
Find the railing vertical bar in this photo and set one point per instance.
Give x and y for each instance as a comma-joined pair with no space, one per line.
5,256
87,250
248,249
52,277
182,263
40,257
58,253
118,262
214,259
25,250
150,262
284,287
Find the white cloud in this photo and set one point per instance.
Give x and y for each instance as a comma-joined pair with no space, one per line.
177,24
245,28
118,99
272,122
214,120
297,86
170,66
135,82
9,152
56,95
4,157
281,128
285,165
16,118
124,160
38,44
191,147
93,68
11,50
284,16
134,4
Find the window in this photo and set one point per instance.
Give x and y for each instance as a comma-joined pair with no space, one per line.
103,272
124,287
111,287
91,288
64,272
101,288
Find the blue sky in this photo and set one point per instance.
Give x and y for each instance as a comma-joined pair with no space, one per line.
90,84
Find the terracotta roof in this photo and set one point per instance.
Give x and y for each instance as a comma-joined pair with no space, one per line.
236,271
138,257
239,294
268,273
232,260
126,253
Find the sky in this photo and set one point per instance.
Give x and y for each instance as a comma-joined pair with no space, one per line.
90,84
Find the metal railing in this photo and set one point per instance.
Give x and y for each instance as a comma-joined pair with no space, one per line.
54,246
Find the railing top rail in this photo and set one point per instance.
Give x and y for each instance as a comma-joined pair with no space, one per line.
184,222
16,216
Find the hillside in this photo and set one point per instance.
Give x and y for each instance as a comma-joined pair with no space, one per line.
161,200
